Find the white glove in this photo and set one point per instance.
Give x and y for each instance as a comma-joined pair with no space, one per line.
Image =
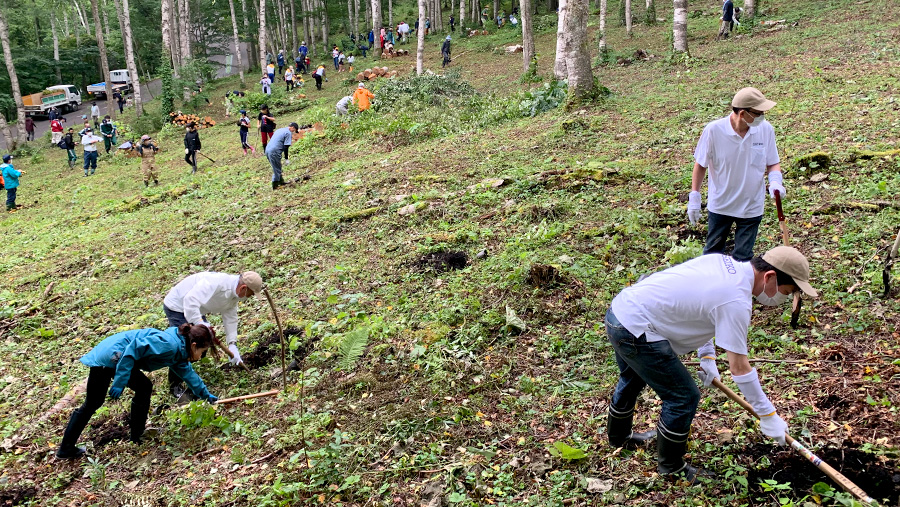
287,161
693,207
186,151
774,427
709,371
776,183
236,360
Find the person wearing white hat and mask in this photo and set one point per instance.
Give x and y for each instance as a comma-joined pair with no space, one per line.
206,293
679,310
739,152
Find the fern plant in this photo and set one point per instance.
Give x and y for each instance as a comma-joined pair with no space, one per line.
352,346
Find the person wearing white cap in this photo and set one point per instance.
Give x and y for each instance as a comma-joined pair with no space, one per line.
205,293
682,309
739,151
341,107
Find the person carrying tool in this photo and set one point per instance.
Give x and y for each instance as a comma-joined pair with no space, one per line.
69,139
244,127
147,150
681,309
206,293
119,360
265,123
739,151
191,145
280,145
362,97
108,131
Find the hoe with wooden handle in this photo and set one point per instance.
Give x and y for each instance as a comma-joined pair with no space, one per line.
836,476
786,240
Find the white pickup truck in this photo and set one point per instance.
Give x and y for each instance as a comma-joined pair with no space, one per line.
66,98
120,81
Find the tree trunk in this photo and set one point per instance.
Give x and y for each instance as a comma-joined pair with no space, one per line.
462,17
628,20
7,135
248,34
262,34
237,40
376,25
311,26
105,19
323,18
527,34
496,8
420,39
293,30
14,82
104,61
166,24
650,13
55,49
749,9
184,30
438,21
602,30
391,13
282,25
679,26
562,40
128,44
355,23
66,30
578,56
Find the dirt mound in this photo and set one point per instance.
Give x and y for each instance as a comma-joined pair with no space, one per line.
269,349
442,260
109,430
877,477
17,495
544,276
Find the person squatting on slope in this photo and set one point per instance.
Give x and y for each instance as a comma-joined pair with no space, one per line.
681,309
739,151
119,360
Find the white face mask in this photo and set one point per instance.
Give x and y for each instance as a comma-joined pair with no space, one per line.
756,121
775,300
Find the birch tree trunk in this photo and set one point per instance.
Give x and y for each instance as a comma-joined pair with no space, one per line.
248,34
679,26
462,17
323,18
7,135
628,20
124,13
376,25
602,29
237,41
312,27
355,23
66,30
55,48
578,56
562,40
420,39
104,61
293,30
527,34
496,9
14,82
749,8
184,30
262,34
105,19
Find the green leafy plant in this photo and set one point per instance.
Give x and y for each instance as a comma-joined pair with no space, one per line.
352,347
567,452
550,96
685,251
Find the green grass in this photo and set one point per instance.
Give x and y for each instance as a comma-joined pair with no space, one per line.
443,393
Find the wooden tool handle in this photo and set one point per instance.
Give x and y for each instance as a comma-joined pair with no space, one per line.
273,392
230,354
778,206
833,474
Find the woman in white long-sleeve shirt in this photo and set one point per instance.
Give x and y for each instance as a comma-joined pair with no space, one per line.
207,293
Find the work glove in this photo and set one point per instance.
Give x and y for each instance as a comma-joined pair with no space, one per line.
115,392
236,360
693,207
186,151
773,427
212,399
708,372
776,183
287,161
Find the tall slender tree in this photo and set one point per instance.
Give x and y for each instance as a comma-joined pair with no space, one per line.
104,61
184,30
628,20
237,41
166,25
128,43
248,34
462,17
294,45
527,33
262,34
355,23
562,40
679,26
749,8
7,135
420,39
323,19
602,29
14,81
578,56
55,48
376,25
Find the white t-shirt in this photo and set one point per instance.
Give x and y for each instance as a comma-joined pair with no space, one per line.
737,167
88,142
95,111
344,102
690,303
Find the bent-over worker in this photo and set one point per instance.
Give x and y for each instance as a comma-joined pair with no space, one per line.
278,146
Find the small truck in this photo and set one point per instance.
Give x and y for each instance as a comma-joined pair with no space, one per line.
120,81
66,98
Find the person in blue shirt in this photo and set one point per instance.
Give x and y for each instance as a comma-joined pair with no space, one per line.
281,62
278,145
727,19
303,50
119,360
10,181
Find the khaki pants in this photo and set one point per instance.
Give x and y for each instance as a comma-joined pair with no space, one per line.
55,137
725,29
148,167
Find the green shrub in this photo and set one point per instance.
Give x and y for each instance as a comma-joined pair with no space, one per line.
550,96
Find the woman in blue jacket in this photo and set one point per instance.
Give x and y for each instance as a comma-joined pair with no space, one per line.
121,357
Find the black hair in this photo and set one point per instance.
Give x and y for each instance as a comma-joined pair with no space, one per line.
200,335
781,278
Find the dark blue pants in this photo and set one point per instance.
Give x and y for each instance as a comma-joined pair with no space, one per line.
745,230
90,160
176,319
11,198
244,140
335,63
643,363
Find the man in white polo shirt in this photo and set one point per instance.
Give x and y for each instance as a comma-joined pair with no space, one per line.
739,151
680,310
205,293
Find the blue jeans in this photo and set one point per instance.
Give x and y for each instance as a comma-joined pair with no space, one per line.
644,363
745,231
11,198
274,157
335,63
90,160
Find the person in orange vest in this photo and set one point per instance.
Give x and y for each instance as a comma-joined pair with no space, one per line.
362,97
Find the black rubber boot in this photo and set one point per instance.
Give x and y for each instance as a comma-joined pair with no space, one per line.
77,423
670,457
619,430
